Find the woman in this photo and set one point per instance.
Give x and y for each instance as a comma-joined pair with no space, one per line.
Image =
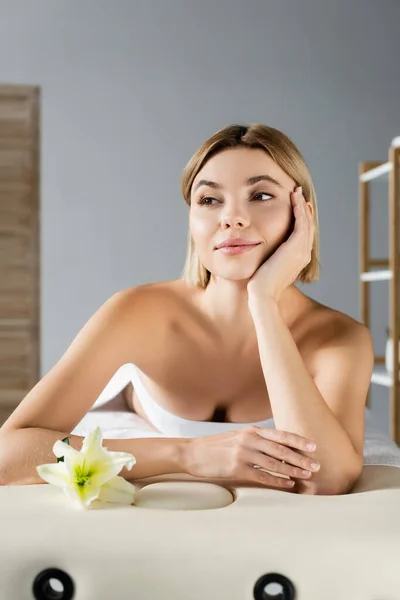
233,346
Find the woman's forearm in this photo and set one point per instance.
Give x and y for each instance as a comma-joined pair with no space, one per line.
298,406
22,450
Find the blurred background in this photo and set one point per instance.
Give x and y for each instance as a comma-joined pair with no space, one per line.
128,90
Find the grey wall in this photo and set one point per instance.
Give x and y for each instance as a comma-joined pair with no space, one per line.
130,89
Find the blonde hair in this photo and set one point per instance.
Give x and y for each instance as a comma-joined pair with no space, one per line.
284,152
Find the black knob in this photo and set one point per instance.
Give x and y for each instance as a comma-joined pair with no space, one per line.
274,586
53,584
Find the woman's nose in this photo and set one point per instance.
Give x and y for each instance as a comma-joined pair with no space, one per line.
234,221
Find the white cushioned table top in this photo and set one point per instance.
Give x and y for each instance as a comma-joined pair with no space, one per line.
326,547
190,539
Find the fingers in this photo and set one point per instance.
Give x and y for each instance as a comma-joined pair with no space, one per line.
305,209
269,453
263,461
285,438
261,477
299,204
304,223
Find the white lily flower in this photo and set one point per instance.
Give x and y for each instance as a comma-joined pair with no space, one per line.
91,473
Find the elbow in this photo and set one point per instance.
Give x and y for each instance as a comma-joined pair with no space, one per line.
10,472
353,477
5,475
2,478
5,465
324,489
3,470
10,476
337,485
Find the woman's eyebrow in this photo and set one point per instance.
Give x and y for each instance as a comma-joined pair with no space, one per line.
268,178
249,181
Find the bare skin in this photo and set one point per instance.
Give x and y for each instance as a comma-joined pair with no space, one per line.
196,348
198,371
211,360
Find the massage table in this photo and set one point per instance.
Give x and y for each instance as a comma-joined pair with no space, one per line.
190,539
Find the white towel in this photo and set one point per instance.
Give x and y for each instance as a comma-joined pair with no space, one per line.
117,383
379,448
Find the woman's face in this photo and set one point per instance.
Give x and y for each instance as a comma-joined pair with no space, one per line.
259,211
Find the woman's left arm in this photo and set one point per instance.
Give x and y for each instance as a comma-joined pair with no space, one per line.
327,408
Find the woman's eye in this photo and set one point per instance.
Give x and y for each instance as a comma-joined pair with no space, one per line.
205,199
262,194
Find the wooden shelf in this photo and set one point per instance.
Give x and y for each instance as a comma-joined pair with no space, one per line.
381,376
376,275
387,172
381,171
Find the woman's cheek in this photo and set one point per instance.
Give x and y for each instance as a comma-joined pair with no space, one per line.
279,226
203,235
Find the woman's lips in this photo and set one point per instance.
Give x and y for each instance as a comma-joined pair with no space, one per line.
237,249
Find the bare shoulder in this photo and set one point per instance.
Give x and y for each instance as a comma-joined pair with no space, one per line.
160,296
125,328
153,308
325,325
335,328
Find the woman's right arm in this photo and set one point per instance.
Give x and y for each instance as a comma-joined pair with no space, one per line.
116,334
123,330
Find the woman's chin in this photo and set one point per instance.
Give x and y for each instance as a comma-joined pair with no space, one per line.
235,274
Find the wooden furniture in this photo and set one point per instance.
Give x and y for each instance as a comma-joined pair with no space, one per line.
369,171
19,244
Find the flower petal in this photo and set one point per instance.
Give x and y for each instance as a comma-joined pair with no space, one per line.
57,474
95,452
103,472
72,462
122,458
62,449
92,441
96,456
82,495
117,490
112,462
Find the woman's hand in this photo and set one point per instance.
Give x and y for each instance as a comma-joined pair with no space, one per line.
283,267
234,455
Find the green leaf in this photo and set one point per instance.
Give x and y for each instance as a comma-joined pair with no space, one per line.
61,458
